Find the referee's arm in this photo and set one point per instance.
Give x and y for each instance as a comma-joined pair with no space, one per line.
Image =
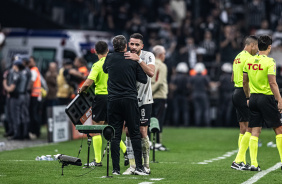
246,84
85,85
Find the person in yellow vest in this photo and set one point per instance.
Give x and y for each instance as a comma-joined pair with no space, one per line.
65,90
240,102
34,107
262,92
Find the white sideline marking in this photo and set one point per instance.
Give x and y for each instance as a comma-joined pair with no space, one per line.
146,182
226,155
22,160
261,174
170,162
156,179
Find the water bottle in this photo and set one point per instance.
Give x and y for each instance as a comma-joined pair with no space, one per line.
49,158
270,144
43,157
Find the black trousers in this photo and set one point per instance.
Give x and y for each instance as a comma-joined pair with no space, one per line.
119,111
34,110
159,110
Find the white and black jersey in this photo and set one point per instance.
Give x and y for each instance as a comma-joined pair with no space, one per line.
145,90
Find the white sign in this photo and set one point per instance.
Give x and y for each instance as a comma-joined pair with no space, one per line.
60,125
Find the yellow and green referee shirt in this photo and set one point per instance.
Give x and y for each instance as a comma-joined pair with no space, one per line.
238,65
258,69
99,77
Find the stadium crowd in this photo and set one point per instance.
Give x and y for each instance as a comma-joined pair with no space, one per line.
201,39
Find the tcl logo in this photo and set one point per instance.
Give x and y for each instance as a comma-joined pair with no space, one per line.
255,66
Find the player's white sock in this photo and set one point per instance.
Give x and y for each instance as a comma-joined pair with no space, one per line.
146,151
130,152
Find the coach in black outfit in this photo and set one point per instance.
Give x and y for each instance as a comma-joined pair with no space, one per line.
122,101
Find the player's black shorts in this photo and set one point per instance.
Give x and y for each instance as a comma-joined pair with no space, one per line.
145,114
240,103
99,108
263,108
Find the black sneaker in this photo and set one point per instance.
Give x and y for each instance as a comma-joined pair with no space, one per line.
246,167
237,166
126,159
253,168
116,172
140,171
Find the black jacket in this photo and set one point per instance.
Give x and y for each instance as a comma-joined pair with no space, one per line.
123,74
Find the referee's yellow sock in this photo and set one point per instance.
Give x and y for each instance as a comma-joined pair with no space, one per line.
122,146
254,150
241,155
240,139
97,145
279,144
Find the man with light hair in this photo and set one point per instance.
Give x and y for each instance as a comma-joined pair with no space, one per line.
160,91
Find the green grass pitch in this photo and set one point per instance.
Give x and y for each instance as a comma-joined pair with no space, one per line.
187,147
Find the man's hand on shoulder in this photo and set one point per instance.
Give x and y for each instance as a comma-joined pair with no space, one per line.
132,56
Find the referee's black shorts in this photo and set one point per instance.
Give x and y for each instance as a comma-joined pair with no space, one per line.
99,108
263,108
240,103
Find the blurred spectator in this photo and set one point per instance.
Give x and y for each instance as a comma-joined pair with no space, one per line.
225,95
136,24
166,14
120,18
51,79
64,89
276,51
211,49
189,50
255,13
179,87
80,64
228,44
264,29
25,89
277,37
179,9
35,100
210,25
58,11
11,86
227,16
200,85
159,90
275,13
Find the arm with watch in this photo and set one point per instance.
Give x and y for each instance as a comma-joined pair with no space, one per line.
148,69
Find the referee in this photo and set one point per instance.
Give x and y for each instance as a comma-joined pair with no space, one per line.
240,102
260,78
122,101
99,105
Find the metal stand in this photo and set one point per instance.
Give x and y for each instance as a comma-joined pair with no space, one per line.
63,165
154,142
108,153
89,138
